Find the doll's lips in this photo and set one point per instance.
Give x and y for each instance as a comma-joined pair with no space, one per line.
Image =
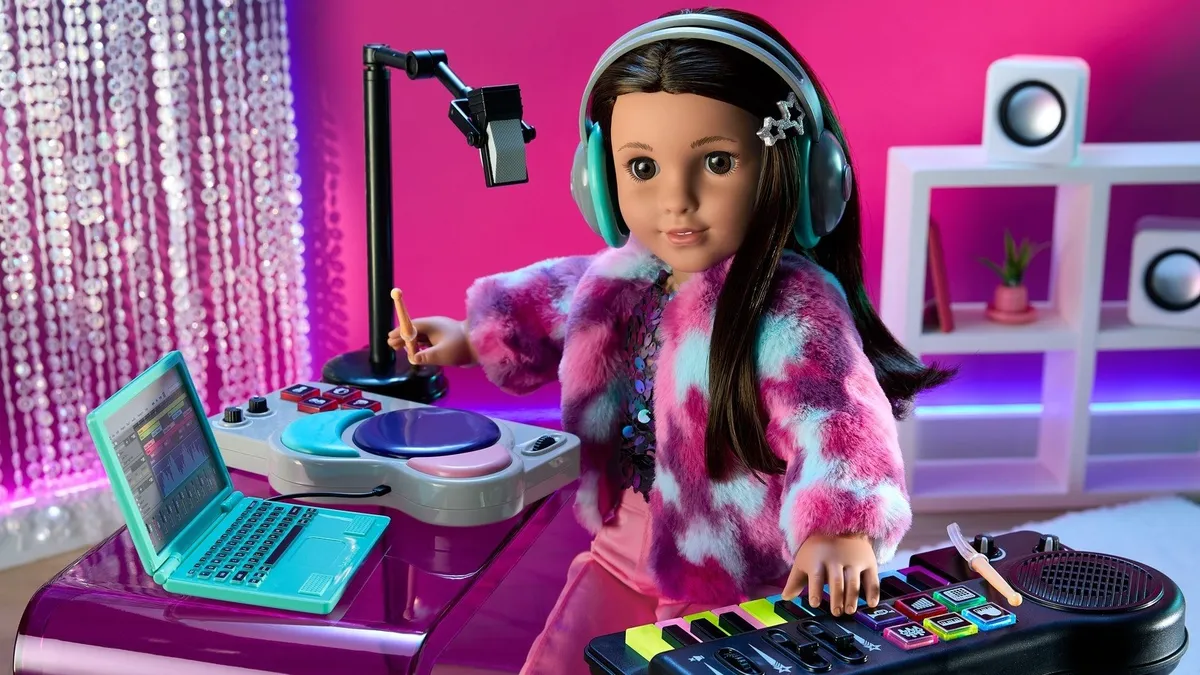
685,236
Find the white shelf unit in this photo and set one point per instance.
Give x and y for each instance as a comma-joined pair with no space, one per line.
1072,328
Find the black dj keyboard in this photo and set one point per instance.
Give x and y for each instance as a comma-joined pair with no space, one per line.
1082,614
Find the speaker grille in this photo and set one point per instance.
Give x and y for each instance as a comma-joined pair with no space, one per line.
1082,581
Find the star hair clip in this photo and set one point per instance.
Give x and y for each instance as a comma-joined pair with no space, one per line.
791,117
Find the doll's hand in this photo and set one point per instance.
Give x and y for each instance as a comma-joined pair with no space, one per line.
446,339
846,563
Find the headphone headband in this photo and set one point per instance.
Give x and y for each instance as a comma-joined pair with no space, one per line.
712,29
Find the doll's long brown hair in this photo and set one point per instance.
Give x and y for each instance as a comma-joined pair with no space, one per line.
736,429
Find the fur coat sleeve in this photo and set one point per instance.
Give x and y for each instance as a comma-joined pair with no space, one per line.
830,421
516,321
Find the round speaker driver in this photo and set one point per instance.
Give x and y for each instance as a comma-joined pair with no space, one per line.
1032,114
1173,280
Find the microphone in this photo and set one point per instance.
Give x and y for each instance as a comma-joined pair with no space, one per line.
489,118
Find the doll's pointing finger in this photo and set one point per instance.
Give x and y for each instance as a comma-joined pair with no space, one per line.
407,332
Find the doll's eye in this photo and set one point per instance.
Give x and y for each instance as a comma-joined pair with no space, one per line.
720,163
642,168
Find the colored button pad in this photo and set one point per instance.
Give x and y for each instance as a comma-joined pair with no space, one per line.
950,626
919,607
342,394
316,404
958,598
909,636
298,392
990,616
362,404
882,616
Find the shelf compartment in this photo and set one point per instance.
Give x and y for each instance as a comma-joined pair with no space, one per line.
965,479
1140,474
1110,163
1117,334
974,333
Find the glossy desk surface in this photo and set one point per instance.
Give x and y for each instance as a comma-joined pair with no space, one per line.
428,600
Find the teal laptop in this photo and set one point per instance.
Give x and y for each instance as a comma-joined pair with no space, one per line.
194,533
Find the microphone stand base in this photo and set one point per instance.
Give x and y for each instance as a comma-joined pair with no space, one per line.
400,379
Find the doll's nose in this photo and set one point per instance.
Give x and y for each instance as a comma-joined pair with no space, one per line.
677,195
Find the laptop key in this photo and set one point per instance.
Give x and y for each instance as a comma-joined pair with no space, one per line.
204,574
222,574
240,576
283,546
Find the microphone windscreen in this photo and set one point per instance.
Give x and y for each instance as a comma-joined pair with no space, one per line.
506,152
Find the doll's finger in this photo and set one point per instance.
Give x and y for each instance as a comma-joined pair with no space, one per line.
795,583
815,582
426,330
871,586
853,575
424,356
837,598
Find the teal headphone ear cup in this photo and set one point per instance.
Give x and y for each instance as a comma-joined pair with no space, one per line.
601,197
830,184
580,189
802,229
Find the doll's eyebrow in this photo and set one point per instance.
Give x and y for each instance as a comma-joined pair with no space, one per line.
710,139
637,145
695,144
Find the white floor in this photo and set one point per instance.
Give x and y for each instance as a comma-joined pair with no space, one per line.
1163,533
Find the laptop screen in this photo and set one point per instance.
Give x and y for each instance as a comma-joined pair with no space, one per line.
166,459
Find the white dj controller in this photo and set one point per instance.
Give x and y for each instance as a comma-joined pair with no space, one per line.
443,466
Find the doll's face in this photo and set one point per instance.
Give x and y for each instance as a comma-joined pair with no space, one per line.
687,170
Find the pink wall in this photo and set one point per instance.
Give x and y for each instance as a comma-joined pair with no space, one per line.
900,74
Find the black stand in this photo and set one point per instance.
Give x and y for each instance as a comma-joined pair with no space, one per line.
376,368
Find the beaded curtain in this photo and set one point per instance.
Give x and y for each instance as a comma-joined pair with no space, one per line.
149,201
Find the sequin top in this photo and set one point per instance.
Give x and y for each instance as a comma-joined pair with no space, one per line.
637,432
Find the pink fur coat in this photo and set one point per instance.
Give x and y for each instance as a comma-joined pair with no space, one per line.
827,416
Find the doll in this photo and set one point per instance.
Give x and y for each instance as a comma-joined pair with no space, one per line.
735,392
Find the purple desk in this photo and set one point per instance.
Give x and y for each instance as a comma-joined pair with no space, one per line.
428,600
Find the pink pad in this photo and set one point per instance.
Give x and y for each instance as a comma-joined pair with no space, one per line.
682,623
737,609
472,464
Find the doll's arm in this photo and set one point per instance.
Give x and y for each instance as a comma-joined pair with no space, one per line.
833,425
516,321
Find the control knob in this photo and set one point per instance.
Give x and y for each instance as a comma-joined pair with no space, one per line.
1048,543
258,405
986,545
233,415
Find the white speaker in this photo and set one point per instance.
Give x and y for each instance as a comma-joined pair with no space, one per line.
1035,109
1164,279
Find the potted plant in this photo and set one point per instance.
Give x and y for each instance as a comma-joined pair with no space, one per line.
1010,303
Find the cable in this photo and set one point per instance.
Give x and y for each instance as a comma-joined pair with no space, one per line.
377,491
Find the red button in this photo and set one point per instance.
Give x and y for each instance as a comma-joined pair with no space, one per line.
361,404
919,607
909,636
297,392
317,404
342,394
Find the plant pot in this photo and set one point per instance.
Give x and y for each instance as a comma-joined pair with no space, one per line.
1010,305
1011,299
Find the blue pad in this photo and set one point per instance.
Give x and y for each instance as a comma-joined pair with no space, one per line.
426,432
321,433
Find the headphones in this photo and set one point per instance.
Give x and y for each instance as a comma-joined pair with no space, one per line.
827,175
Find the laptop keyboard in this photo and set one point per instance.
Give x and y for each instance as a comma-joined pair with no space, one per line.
248,550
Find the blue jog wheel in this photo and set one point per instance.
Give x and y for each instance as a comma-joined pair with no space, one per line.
425,432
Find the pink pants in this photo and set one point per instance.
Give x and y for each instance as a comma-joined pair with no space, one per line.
609,589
